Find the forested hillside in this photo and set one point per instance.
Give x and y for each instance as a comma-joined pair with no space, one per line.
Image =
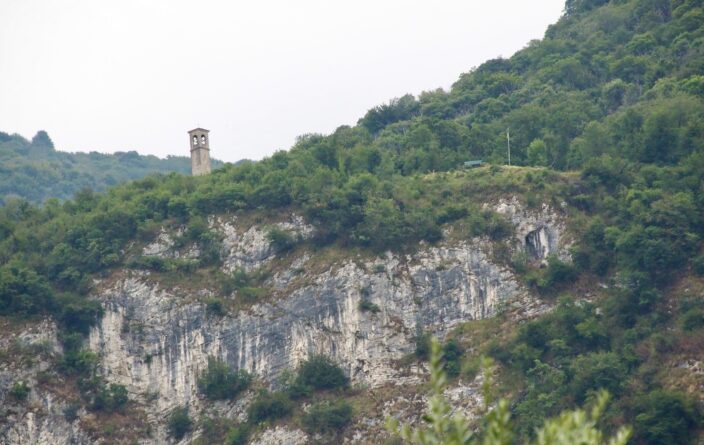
35,171
606,116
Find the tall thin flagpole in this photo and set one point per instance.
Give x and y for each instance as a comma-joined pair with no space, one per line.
508,142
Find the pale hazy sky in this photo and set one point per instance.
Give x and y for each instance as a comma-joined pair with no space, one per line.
137,74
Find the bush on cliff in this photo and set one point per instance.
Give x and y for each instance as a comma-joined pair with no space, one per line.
219,381
179,423
320,372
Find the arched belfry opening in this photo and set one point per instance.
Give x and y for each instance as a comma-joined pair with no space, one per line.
200,152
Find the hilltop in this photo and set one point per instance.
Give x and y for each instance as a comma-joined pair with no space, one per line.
35,171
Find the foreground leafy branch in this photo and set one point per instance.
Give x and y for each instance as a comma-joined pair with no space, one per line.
569,428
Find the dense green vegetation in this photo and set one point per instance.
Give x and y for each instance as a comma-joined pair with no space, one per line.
328,417
179,423
220,382
19,391
319,373
605,114
325,416
445,428
110,398
33,170
269,406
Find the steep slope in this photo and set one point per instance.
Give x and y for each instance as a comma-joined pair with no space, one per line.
130,315
158,329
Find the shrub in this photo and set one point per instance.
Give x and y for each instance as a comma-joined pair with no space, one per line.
319,372
23,292
158,264
251,294
269,406
110,398
149,262
80,362
693,319
244,284
451,213
236,281
78,314
556,274
210,249
293,386
238,435
698,265
422,345
213,429
559,272
379,268
520,261
71,411
197,228
19,391
215,306
281,240
179,422
598,370
220,382
665,418
452,354
327,417
497,226
367,306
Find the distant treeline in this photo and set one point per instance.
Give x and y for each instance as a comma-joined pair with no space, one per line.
35,171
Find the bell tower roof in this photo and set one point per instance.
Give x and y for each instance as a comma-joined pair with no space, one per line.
199,130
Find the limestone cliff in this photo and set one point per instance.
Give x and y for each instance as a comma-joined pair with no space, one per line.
155,338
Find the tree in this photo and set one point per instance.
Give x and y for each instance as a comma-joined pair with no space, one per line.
220,382
396,110
111,398
665,418
23,292
537,153
383,224
179,422
598,370
328,417
42,139
269,406
569,428
320,372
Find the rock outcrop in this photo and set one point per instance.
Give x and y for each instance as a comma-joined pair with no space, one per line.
156,339
539,232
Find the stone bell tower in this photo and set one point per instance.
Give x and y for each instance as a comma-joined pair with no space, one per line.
200,151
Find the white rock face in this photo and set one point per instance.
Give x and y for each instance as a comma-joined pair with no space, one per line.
156,343
281,436
153,341
540,232
162,246
39,420
156,340
40,429
251,249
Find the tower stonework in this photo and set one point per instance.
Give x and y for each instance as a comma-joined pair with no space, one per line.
200,151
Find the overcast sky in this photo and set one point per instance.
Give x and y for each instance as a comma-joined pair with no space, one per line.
138,74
